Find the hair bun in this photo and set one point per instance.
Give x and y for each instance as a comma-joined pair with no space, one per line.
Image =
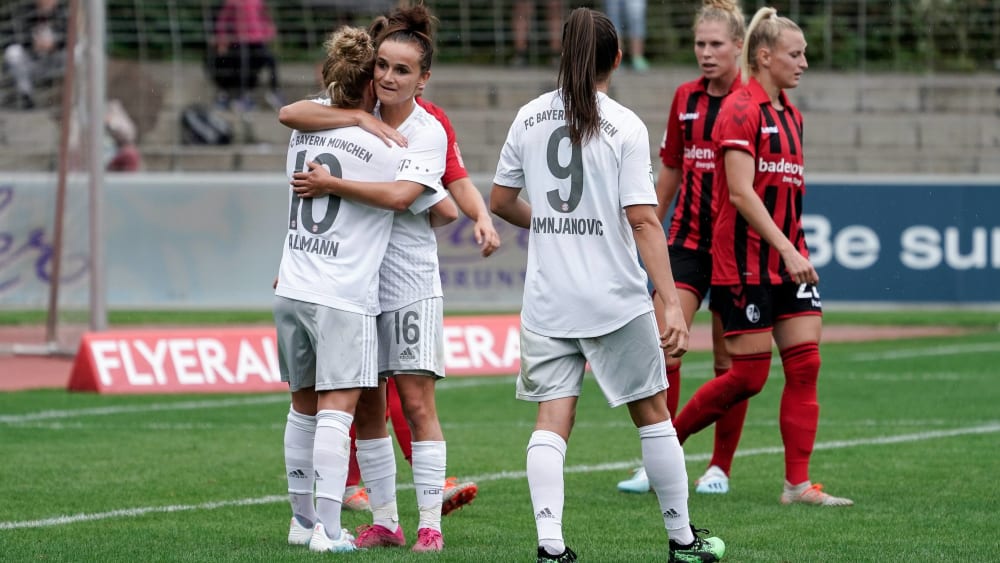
350,45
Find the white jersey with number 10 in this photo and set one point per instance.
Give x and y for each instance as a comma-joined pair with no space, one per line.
583,275
334,247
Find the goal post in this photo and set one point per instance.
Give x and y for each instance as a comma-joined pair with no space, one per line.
56,220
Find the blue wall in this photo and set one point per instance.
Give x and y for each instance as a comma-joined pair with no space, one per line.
907,240
212,241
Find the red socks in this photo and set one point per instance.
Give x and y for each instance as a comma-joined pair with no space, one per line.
799,409
728,430
353,471
723,401
674,389
715,398
400,427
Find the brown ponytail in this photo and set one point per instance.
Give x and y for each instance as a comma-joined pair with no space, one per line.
590,47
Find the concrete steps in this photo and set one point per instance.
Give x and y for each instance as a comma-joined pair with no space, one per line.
854,123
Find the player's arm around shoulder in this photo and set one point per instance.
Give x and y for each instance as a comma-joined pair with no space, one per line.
312,115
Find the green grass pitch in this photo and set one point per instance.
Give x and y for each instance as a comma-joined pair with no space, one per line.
908,429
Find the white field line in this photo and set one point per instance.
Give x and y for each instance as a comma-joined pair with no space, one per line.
910,376
276,426
128,409
502,475
208,404
973,348
703,370
693,370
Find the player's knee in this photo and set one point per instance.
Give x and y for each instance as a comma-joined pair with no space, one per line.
420,414
801,364
750,374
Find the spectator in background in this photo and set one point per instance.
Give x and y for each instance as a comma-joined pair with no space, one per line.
123,154
524,13
634,28
34,48
243,31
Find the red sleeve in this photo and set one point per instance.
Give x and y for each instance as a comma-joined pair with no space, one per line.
454,168
672,147
738,125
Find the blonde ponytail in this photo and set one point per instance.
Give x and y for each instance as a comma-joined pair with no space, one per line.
764,30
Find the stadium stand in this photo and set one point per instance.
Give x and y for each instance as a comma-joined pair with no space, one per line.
900,100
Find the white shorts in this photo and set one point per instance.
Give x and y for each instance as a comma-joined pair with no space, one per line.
627,364
323,347
411,339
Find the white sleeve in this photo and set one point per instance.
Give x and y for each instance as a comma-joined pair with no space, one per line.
635,181
428,199
424,160
510,171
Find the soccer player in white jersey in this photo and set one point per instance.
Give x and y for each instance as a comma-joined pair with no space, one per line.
411,345
327,298
584,162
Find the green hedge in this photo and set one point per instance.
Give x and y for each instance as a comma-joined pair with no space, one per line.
912,35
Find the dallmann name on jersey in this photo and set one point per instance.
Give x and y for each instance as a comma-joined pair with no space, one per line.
560,115
348,147
313,244
567,226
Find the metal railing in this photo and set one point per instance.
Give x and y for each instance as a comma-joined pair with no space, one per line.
913,35
156,49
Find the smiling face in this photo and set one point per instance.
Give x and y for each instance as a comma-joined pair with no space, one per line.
397,72
715,49
786,61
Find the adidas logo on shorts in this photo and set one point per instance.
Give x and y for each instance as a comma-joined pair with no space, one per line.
407,355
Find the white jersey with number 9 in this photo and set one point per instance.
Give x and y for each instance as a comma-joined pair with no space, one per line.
583,275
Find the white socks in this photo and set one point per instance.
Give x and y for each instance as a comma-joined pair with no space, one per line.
300,431
663,458
377,462
429,467
546,457
331,454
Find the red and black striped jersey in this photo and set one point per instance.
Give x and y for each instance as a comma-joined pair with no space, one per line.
748,122
687,145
